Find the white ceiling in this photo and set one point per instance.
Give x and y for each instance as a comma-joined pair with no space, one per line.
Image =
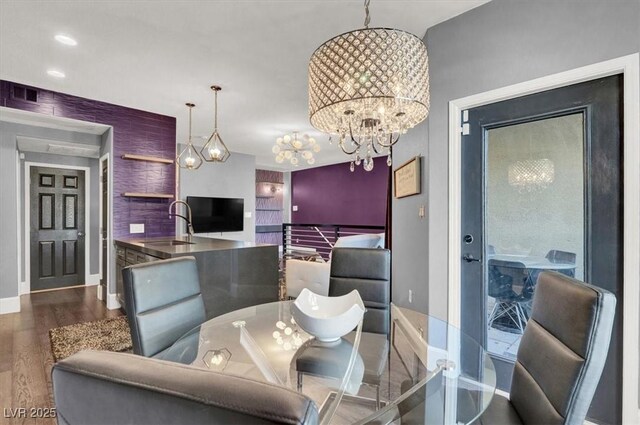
158,55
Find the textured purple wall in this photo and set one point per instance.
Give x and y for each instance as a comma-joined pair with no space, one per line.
335,195
269,205
134,131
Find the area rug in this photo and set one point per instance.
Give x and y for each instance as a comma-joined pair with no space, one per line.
107,334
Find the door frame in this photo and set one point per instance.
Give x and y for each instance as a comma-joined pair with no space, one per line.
88,281
629,66
101,259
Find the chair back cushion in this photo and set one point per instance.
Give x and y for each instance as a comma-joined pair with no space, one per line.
369,271
563,350
302,274
163,302
99,387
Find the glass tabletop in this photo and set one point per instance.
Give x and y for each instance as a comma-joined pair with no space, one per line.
425,370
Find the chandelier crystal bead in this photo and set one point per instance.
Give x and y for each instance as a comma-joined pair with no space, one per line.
368,87
294,149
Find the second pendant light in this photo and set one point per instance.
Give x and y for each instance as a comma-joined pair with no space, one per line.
215,150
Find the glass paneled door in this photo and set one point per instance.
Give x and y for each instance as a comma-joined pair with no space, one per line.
542,190
534,218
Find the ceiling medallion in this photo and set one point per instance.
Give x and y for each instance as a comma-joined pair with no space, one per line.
189,158
215,150
368,87
291,148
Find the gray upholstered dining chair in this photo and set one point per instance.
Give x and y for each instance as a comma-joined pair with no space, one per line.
561,355
163,302
99,387
369,271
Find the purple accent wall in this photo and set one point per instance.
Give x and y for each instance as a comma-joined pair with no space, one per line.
334,195
134,131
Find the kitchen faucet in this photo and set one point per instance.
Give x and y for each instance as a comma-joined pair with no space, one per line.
188,220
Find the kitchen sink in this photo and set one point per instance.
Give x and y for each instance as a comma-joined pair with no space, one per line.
169,242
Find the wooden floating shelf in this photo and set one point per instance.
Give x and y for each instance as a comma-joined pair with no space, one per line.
148,195
147,158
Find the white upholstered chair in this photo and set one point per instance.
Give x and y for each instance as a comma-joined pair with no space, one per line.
302,274
314,275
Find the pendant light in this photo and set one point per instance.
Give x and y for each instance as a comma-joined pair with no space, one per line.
215,150
369,86
189,158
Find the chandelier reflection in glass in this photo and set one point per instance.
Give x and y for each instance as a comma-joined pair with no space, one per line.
368,87
292,149
215,150
531,174
189,158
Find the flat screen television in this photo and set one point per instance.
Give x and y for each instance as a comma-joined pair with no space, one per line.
216,214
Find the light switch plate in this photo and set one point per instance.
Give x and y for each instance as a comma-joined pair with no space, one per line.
421,211
136,228
295,208
247,214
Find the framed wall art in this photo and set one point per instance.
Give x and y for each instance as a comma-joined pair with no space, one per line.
406,178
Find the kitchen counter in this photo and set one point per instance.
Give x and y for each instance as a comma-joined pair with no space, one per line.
232,274
161,247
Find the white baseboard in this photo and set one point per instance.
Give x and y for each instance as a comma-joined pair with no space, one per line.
92,279
24,288
9,305
112,302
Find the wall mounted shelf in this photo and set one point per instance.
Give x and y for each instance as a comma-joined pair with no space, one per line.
147,195
269,228
147,158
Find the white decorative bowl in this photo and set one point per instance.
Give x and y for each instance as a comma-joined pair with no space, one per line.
327,318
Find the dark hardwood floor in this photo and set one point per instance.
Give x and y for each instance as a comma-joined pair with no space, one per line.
25,349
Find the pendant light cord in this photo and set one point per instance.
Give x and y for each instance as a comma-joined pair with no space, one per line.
367,17
190,108
215,109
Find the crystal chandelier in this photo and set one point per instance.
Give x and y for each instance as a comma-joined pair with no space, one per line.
532,174
291,148
215,150
369,86
189,158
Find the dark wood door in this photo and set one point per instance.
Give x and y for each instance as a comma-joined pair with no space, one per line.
555,158
57,228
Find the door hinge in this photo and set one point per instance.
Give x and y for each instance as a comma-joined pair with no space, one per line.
464,129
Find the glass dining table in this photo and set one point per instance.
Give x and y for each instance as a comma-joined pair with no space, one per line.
432,373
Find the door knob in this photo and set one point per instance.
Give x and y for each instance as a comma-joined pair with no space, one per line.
469,259
81,234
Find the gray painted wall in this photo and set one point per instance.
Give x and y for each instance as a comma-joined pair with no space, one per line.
410,233
495,45
8,215
235,178
8,133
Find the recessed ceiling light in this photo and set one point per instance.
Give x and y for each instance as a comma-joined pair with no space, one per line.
65,39
56,73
